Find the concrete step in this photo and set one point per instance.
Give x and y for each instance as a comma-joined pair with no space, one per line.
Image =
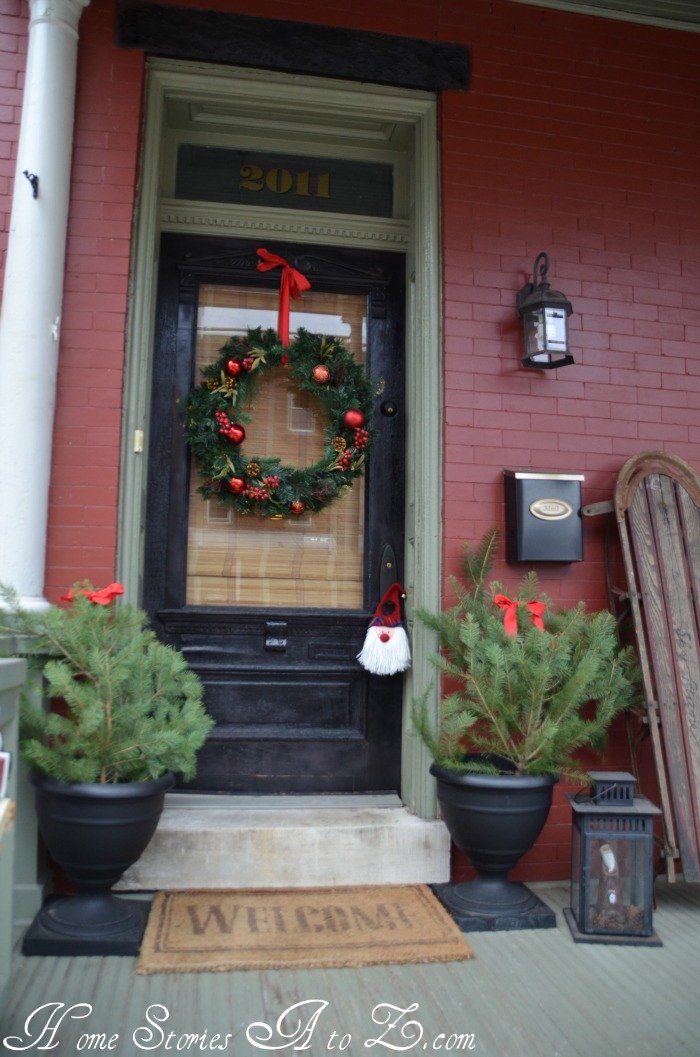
288,842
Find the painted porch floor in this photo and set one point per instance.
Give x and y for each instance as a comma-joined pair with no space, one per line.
526,994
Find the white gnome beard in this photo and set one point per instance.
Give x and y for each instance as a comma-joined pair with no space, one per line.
386,651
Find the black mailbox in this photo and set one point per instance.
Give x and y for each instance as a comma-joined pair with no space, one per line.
543,516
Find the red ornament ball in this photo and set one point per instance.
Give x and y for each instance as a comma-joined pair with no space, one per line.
235,433
321,374
297,507
353,418
284,359
236,485
234,368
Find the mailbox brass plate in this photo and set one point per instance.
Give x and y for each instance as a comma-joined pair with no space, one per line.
550,509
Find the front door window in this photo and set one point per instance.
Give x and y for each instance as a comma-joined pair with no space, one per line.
312,561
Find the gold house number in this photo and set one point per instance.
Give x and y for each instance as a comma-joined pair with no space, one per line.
281,181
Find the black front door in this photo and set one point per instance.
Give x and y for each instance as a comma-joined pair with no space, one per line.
271,614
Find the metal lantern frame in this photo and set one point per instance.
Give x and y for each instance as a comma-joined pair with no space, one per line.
612,870
545,313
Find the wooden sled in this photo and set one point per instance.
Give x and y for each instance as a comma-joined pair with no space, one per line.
657,510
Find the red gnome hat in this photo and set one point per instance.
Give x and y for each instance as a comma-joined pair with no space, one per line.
386,650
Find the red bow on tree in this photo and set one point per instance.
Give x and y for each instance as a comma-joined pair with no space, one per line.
292,284
510,612
101,597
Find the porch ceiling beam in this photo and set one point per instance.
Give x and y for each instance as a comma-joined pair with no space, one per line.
32,296
291,47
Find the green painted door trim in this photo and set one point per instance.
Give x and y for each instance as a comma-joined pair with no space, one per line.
416,232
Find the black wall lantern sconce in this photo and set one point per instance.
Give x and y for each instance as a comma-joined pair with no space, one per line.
612,870
545,314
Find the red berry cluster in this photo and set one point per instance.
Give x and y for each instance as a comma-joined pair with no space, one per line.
272,481
224,421
227,428
259,494
345,459
361,438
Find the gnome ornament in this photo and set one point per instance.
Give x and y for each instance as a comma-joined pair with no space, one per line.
386,650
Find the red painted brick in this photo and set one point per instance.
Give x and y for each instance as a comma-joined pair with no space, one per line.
606,427
83,536
637,412
688,416
668,364
647,348
593,444
670,328
460,416
657,431
648,398
641,379
612,357
589,406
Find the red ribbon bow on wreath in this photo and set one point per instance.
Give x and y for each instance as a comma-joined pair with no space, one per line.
510,614
292,285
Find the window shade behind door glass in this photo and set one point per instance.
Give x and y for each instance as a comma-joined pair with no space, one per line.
315,560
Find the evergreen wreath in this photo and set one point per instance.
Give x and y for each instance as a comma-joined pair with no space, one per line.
216,413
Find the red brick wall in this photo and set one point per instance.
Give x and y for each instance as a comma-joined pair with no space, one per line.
579,136
13,53
582,138
83,501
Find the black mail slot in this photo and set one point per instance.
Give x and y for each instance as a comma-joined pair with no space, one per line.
543,516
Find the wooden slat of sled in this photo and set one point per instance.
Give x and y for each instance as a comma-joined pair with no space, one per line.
677,693
691,521
670,843
657,503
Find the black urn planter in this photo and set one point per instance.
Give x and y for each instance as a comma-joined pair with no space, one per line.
494,819
94,832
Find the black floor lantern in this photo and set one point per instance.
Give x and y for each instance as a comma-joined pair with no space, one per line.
612,876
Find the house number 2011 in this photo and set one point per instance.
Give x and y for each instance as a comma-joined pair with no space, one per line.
282,181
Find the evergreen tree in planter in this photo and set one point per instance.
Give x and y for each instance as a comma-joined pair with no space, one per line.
527,687
126,713
523,674
131,710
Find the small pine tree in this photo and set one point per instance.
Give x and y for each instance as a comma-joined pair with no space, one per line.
128,707
528,701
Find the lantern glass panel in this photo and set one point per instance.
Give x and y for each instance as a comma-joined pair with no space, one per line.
555,329
535,331
617,896
576,873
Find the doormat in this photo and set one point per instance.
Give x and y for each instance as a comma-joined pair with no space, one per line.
299,928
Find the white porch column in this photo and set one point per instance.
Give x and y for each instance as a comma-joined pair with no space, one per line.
30,315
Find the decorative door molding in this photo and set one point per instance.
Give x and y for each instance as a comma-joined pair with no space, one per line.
369,121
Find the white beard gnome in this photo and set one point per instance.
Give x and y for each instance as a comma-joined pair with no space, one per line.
386,650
